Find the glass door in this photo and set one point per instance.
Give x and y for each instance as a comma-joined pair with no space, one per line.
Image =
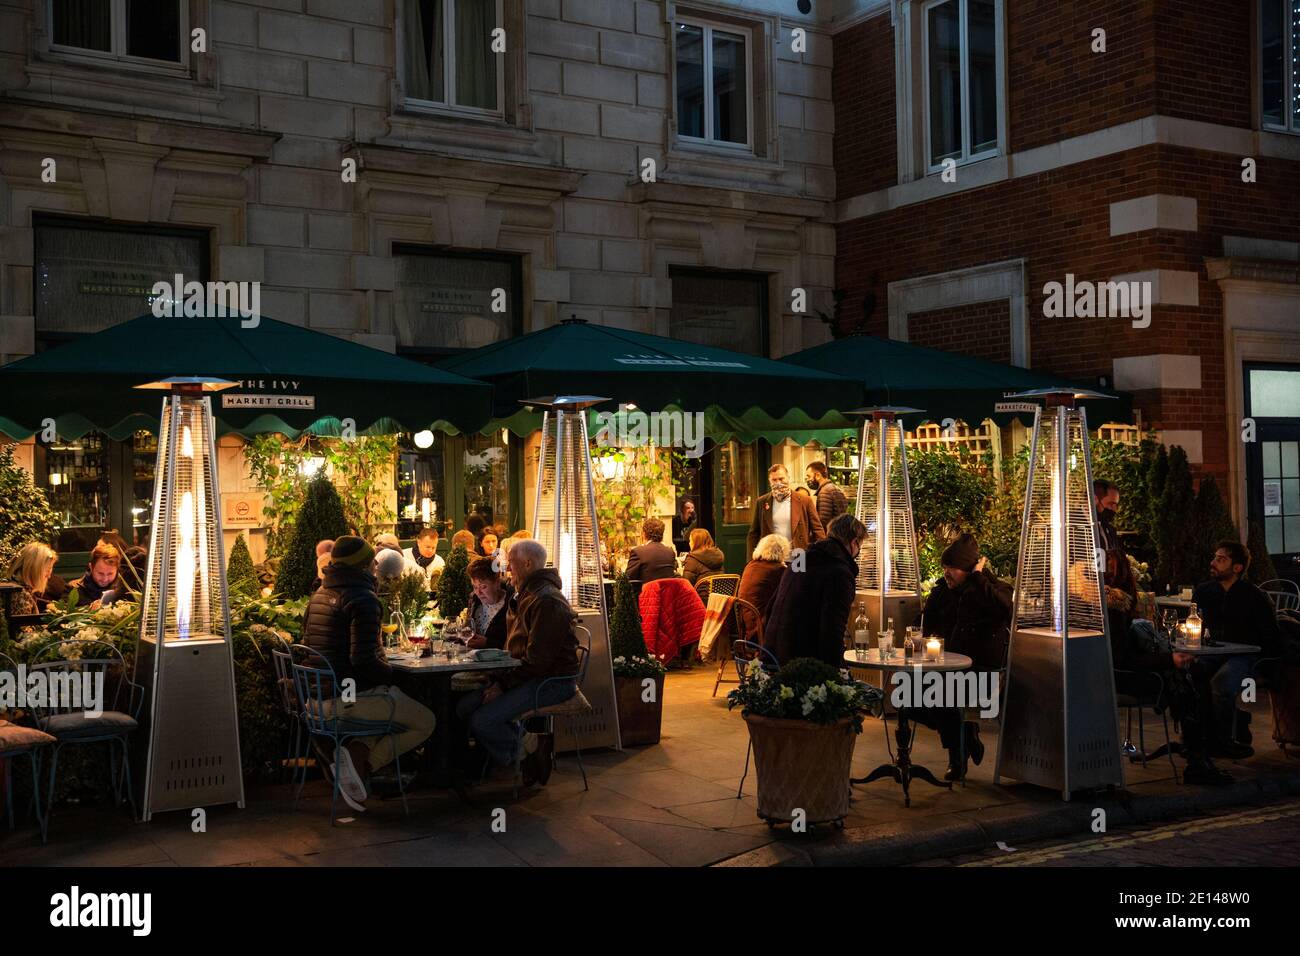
1273,462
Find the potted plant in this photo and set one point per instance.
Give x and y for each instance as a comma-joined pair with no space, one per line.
803,722
640,704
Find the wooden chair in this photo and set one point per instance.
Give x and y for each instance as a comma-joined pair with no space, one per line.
743,621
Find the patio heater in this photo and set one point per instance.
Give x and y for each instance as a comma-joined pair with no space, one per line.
889,579
184,658
565,521
1059,728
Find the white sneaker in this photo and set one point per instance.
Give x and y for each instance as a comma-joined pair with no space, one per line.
529,744
351,786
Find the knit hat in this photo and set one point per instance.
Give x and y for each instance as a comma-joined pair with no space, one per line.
352,551
963,553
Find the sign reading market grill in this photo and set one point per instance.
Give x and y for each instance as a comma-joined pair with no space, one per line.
268,393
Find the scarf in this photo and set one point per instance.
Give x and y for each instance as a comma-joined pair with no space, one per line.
781,494
420,559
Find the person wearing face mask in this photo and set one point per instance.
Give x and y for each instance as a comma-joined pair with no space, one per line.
831,500
810,609
793,517
1121,586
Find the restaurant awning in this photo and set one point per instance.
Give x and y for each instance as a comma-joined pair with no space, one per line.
292,379
947,384
650,371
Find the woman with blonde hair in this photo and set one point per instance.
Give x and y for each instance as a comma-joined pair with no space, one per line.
31,568
761,576
705,558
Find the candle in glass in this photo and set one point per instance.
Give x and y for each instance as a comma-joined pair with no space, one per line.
933,648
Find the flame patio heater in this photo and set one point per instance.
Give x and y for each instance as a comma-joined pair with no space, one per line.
565,522
184,658
889,580
1060,728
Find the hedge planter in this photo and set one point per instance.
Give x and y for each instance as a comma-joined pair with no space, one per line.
638,720
802,765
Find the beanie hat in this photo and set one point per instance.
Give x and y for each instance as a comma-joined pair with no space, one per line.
352,551
963,553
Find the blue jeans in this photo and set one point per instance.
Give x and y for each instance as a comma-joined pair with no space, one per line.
493,724
1225,686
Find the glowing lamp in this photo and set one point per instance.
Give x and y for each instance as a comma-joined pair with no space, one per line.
184,658
423,439
1060,728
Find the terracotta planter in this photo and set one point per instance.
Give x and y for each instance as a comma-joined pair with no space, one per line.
639,721
802,765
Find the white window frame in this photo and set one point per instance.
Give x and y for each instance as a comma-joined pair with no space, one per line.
964,67
117,40
1289,124
747,35
450,106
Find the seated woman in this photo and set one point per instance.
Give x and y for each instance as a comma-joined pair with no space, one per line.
761,576
705,557
491,540
487,608
101,583
31,568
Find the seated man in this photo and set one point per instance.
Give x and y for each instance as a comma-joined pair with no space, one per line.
424,553
101,583
652,559
971,610
1233,611
342,624
540,633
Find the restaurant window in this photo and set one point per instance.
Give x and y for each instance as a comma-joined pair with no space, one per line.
130,31
1273,460
89,276
447,54
961,85
76,473
714,78
421,485
486,477
738,467
1279,28
719,309
446,302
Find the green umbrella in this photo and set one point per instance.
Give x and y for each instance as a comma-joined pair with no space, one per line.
291,379
946,384
649,371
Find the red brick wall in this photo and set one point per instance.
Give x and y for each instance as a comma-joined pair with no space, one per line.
1203,60
862,85
982,329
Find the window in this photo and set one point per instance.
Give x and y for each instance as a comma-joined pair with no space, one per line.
720,309
141,31
1279,25
713,77
961,81
447,301
448,56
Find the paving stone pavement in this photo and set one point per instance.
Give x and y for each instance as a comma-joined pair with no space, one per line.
672,804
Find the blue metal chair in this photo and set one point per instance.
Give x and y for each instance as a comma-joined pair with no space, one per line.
742,652
575,706
16,741
314,684
282,661
70,723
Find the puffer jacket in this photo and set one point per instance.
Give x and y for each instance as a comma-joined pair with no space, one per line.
671,616
702,563
342,623
811,608
540,630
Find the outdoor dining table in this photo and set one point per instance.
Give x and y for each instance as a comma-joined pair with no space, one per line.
902,770
439,671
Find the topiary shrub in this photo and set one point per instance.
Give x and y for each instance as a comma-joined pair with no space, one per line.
454,587
25,512
240,576
1261,562
1172,528
321,517
1211,524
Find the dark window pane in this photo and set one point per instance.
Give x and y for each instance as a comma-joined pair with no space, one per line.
83,23
689,47
422,42
445,302
153,29
730,112
1272,53
476,64
1294,65
944,44
720,310
981,31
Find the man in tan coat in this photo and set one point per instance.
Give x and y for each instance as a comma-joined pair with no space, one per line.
792,516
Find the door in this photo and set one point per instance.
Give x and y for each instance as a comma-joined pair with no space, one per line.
1273,462
734,476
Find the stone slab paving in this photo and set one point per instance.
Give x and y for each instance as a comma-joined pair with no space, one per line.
672,804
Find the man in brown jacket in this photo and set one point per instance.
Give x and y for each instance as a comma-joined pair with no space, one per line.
792,516
540,634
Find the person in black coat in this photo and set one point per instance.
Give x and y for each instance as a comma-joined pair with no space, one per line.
652,559
488,606
810,610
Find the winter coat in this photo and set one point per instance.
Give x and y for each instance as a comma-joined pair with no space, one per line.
810,610
973,619
702,563
758,585
805,526
1243,614
342,623
540,630
831,502
651,561
496,629
671,616
88,592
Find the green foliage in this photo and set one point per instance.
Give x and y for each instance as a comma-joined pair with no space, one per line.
641,476
999,537
240,576
950,494
275,465
1173,531
626,642
454,587
407,593
1211,523
804,689
25,513
1261,562
1129,466
321,517
361,469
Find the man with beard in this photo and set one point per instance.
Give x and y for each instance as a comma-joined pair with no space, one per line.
1121,586
781,511
831,500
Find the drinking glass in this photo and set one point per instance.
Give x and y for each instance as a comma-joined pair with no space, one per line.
885,645
861,643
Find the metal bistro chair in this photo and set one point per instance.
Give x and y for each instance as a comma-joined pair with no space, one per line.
69,722
314,682
742,652
1151,694
575,706
743,619
16,741
299,746
1284,594
728,584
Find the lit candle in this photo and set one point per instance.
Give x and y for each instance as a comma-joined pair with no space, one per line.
933,648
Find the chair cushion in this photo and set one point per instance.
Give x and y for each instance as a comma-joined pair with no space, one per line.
575,706
73,726
14,738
